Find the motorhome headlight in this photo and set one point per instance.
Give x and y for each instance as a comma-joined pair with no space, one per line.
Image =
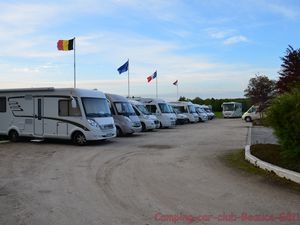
146,117
93,123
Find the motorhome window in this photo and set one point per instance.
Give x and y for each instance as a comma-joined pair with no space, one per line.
143,109
180,109
2,104
124,108
151,108
252,110
191,109
96,107
65,108
228,107
164,108
171,108
136,111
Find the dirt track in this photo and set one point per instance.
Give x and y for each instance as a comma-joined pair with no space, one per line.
130,180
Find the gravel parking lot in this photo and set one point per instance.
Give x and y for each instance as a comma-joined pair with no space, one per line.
147,178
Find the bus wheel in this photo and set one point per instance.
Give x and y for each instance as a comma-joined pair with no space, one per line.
79,138
13,136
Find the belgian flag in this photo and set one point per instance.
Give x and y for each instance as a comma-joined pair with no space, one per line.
65,45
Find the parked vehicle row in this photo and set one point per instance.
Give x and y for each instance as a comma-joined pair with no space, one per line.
84,115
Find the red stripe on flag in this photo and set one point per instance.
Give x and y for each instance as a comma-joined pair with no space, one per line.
149,78
60,45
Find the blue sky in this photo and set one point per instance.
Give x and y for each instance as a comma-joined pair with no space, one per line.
212,47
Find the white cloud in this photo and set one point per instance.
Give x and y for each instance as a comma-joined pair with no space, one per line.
235,39
218,33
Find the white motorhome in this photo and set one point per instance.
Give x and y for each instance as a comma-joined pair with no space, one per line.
64,113
201,112
186,108
180,118
208,110
251,114
148,121
126,120
232,109
161,110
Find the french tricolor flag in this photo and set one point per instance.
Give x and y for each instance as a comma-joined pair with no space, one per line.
152,77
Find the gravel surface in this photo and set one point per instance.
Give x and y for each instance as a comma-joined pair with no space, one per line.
147,178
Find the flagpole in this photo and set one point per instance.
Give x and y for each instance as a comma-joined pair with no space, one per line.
177,91
156,86
74,64
128,81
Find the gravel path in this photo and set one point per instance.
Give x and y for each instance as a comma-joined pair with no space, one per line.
138,180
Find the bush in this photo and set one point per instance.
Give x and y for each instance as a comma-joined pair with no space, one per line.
284,116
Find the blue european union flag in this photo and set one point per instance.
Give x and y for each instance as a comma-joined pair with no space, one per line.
123,68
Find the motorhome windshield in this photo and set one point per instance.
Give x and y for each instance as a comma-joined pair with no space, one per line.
143,109
124,108
180,109
200,110
164,108
96,107
228,107
192,109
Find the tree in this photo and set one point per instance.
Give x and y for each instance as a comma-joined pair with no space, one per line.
283,115
184,99
260,89
289,75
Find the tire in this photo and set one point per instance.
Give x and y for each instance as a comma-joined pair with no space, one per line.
143,127
119,132
79,139
13,136
248,119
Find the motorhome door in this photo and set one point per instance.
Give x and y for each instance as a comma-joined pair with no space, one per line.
38,116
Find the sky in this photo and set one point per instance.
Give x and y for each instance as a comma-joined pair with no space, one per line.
212,48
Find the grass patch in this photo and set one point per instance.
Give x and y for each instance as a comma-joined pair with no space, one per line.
274,154
236,160
218,114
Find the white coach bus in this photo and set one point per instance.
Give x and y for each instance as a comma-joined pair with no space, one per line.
63,113
232,109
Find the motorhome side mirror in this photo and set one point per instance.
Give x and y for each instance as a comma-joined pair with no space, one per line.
73,102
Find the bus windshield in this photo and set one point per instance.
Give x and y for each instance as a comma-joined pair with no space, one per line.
228,107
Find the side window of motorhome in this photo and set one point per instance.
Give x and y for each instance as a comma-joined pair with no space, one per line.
151,108
2,104
65,108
